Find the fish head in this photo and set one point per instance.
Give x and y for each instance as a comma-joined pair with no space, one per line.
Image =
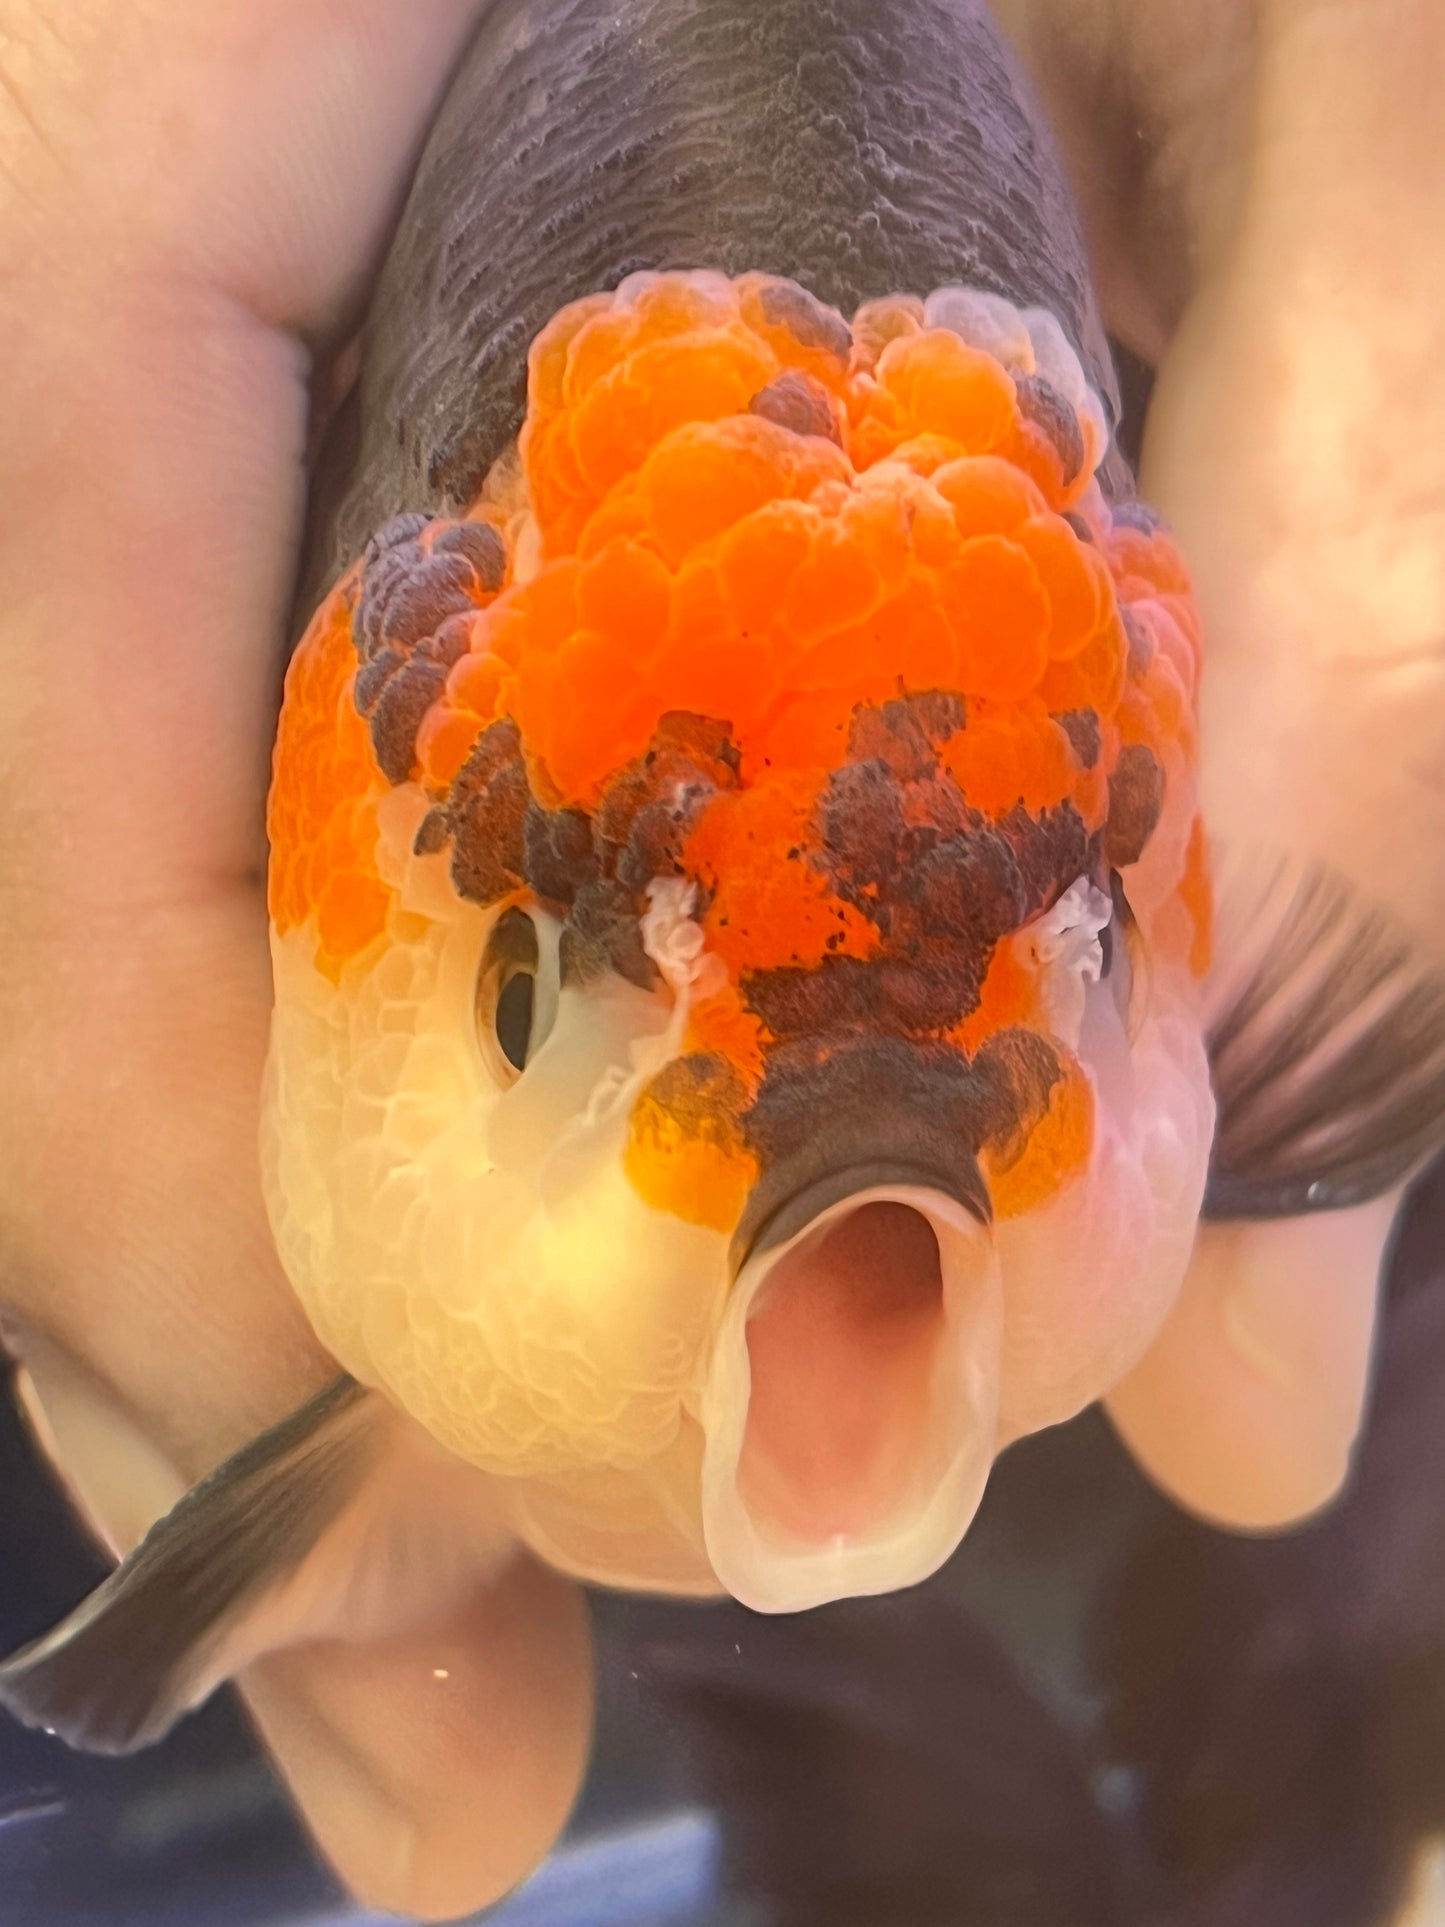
738,904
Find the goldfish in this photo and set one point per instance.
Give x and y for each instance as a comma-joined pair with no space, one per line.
739,902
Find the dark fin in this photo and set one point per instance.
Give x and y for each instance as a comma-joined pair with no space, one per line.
168,1625
1327,1049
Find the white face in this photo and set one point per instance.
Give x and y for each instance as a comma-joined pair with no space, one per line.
465,1236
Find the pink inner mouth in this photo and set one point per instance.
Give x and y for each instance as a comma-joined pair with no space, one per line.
843,1346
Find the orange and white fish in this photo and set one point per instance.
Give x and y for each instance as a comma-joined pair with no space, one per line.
738,895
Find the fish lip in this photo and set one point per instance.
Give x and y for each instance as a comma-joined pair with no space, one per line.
766,1566
799,1209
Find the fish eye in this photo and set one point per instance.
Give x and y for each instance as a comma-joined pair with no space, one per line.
513,1019
516,998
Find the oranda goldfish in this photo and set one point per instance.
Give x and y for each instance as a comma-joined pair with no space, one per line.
738,894
737,901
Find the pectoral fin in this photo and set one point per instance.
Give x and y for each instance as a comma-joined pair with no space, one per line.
192,1603
1327,1049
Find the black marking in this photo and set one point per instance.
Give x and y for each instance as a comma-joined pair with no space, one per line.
808,321
397,715
968,887
907,732
1019,1070
604,933
411,622
558,856
1081,726
861,149
434,834
651,808
1042,404
1053,849
486,812
451,641
483,548
391,535
841,1111
702,1094
798,403
1136,802
903,996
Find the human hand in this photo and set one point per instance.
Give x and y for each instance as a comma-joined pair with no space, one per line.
1264,190
193,198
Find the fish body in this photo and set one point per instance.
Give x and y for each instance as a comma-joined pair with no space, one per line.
738,897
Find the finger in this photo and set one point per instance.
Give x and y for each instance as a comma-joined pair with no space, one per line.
154,428
1247,1408
208,186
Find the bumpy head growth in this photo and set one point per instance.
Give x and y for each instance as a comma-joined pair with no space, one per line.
736,897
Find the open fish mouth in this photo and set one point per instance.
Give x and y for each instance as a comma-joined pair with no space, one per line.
850,1409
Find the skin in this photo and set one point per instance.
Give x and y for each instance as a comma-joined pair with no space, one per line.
1259,189
192,199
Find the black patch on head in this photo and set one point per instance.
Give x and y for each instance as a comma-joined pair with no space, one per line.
558,856
903,995
486,814
434,835
968,886
408,594
483,548
699,1090
451,641
1136,800
906,732
854,1111
865,838
1053,850
397,713
590,869
411,622
787,305
1019,1070
603,933
649,811
798,403
373,676
1081,726
941,883
1042,404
